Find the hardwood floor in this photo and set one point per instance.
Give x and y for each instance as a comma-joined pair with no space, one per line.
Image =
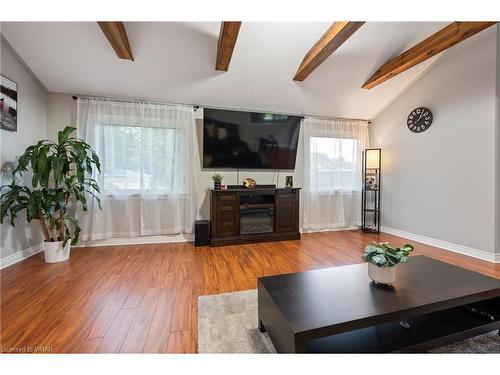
143,298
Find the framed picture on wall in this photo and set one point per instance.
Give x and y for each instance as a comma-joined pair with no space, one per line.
8,104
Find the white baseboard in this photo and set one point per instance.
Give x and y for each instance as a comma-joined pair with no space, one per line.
20,255
469,251
26,253
328,230
139,240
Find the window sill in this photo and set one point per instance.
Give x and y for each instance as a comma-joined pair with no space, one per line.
137,195
336,192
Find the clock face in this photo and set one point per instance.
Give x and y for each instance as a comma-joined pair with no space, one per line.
419,119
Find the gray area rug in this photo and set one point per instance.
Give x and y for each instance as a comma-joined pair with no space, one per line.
227,323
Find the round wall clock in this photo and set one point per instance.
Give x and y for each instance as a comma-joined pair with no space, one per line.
419,119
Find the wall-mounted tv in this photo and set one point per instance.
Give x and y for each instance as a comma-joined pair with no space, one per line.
249,140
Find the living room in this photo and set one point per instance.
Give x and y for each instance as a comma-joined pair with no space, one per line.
269,185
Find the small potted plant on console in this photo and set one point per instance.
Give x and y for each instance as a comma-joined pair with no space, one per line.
217,178
382,260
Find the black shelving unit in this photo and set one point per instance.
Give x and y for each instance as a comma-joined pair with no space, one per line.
370,194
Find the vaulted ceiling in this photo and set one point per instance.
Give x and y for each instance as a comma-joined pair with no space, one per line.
175,62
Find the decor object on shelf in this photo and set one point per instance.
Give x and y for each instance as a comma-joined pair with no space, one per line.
370,194
217,178
419,120
8,104
249,183
371,182
62,178
288,181
382,260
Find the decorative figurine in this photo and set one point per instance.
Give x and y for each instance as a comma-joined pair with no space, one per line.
249,183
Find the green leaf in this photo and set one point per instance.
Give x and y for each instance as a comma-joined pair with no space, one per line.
386,255
95,159
62,176
393,257
371,249
408,247
76,230
32,209
63,135
379,260
58,165
18,207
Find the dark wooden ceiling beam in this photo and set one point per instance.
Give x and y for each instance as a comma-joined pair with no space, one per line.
117,37
331,40
436,43
227,39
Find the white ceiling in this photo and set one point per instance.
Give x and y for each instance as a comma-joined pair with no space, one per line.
174,62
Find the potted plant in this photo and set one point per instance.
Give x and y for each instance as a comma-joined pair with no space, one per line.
382,260
60,182
217,178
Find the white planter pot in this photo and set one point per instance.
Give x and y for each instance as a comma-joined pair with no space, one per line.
382,275
55,252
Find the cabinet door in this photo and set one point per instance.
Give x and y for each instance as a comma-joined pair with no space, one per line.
287,211
227,215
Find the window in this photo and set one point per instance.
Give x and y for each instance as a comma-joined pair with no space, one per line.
332,172
139,158
149,159
333,164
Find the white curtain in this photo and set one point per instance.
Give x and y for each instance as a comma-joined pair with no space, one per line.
149,160
332,172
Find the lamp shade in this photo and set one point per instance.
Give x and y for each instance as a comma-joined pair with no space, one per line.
372,158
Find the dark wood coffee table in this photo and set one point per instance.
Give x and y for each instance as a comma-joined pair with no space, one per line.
339,310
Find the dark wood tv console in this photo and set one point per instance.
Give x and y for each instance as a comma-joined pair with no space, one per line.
254,215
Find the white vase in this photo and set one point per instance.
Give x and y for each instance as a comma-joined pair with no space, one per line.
56,252
382,275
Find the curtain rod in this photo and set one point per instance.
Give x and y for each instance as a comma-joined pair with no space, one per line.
339,118
196,107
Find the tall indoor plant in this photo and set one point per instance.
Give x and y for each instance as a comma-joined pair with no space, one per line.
61,181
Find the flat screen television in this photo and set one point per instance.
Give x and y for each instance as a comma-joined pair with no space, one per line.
250,140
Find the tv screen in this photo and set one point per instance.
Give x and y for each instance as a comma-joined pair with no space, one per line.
251,140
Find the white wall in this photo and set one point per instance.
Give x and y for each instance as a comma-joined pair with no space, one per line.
31,127
497,203
439,184
61,113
